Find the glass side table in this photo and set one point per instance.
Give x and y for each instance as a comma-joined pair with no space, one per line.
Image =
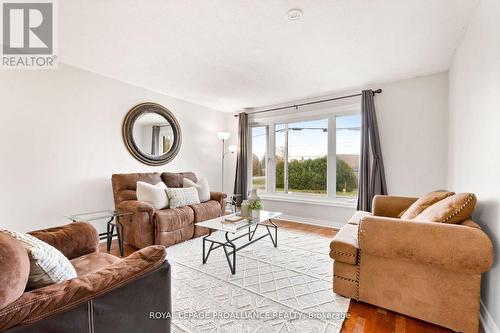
112,222
232,202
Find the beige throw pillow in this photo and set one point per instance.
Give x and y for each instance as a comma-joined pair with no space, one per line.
47,264
156,195
201,186
180,197
454,209
423,203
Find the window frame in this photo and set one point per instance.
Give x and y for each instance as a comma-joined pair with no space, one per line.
270,123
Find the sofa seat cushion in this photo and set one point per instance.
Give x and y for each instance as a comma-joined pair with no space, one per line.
357,216
206,210
344,246
173,218
93,262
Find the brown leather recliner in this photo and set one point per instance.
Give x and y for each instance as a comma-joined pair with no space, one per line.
170,226
108,295
427,270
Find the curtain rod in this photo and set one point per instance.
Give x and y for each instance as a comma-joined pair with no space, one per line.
378,91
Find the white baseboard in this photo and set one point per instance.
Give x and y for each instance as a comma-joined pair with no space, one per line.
306,220
488,324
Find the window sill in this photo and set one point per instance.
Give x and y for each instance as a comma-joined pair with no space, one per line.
307,199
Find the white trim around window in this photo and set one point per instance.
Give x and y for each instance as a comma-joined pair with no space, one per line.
269,122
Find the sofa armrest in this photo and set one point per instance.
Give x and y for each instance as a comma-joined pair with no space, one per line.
221,198
57,298
218,196
390,205
449,246
136,206
73,240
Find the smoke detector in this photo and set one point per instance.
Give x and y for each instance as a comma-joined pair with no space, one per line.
294,14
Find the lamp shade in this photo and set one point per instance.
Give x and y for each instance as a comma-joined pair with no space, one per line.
223,135
232,148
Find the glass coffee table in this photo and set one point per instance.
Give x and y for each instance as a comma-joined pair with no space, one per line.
235,231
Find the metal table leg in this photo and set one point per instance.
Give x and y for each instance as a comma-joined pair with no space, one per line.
119,233
230,244
230,247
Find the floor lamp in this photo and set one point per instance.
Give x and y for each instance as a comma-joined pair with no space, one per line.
231,149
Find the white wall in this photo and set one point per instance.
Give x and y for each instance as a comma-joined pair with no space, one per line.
413,124
474,144
60,142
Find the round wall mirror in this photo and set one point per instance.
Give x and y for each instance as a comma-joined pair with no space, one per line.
152,134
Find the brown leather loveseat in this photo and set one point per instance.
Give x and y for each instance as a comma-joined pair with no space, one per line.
109,294
429,269
169,226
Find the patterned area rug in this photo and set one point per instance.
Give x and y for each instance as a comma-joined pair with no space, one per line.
283,289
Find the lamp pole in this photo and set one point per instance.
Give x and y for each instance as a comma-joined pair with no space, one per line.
223,157
224,136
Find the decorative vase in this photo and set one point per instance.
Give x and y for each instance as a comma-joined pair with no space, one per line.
245,209
254,196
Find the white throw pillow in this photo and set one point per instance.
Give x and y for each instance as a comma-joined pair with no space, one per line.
47,264
156,195
201,186
180,197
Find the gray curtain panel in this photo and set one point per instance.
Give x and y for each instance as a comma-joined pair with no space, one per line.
240,183
155,140
371,170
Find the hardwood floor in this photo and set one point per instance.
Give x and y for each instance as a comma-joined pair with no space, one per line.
364,318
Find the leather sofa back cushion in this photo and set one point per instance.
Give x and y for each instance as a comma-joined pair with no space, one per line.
423,203
176,179
454,209
125,185
73,240
14,270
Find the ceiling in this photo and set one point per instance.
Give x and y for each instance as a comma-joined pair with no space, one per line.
232,54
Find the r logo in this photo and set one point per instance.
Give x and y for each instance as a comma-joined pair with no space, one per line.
27,28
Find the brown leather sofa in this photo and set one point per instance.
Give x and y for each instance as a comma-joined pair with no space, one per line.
108,295
148,226
427,270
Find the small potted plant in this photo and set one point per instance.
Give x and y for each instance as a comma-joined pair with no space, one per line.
256,207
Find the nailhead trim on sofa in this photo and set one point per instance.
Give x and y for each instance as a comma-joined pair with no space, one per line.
469,199
343,253
344,278
358,262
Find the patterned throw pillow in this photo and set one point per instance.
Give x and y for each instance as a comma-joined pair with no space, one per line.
180,197
201,186
47,264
